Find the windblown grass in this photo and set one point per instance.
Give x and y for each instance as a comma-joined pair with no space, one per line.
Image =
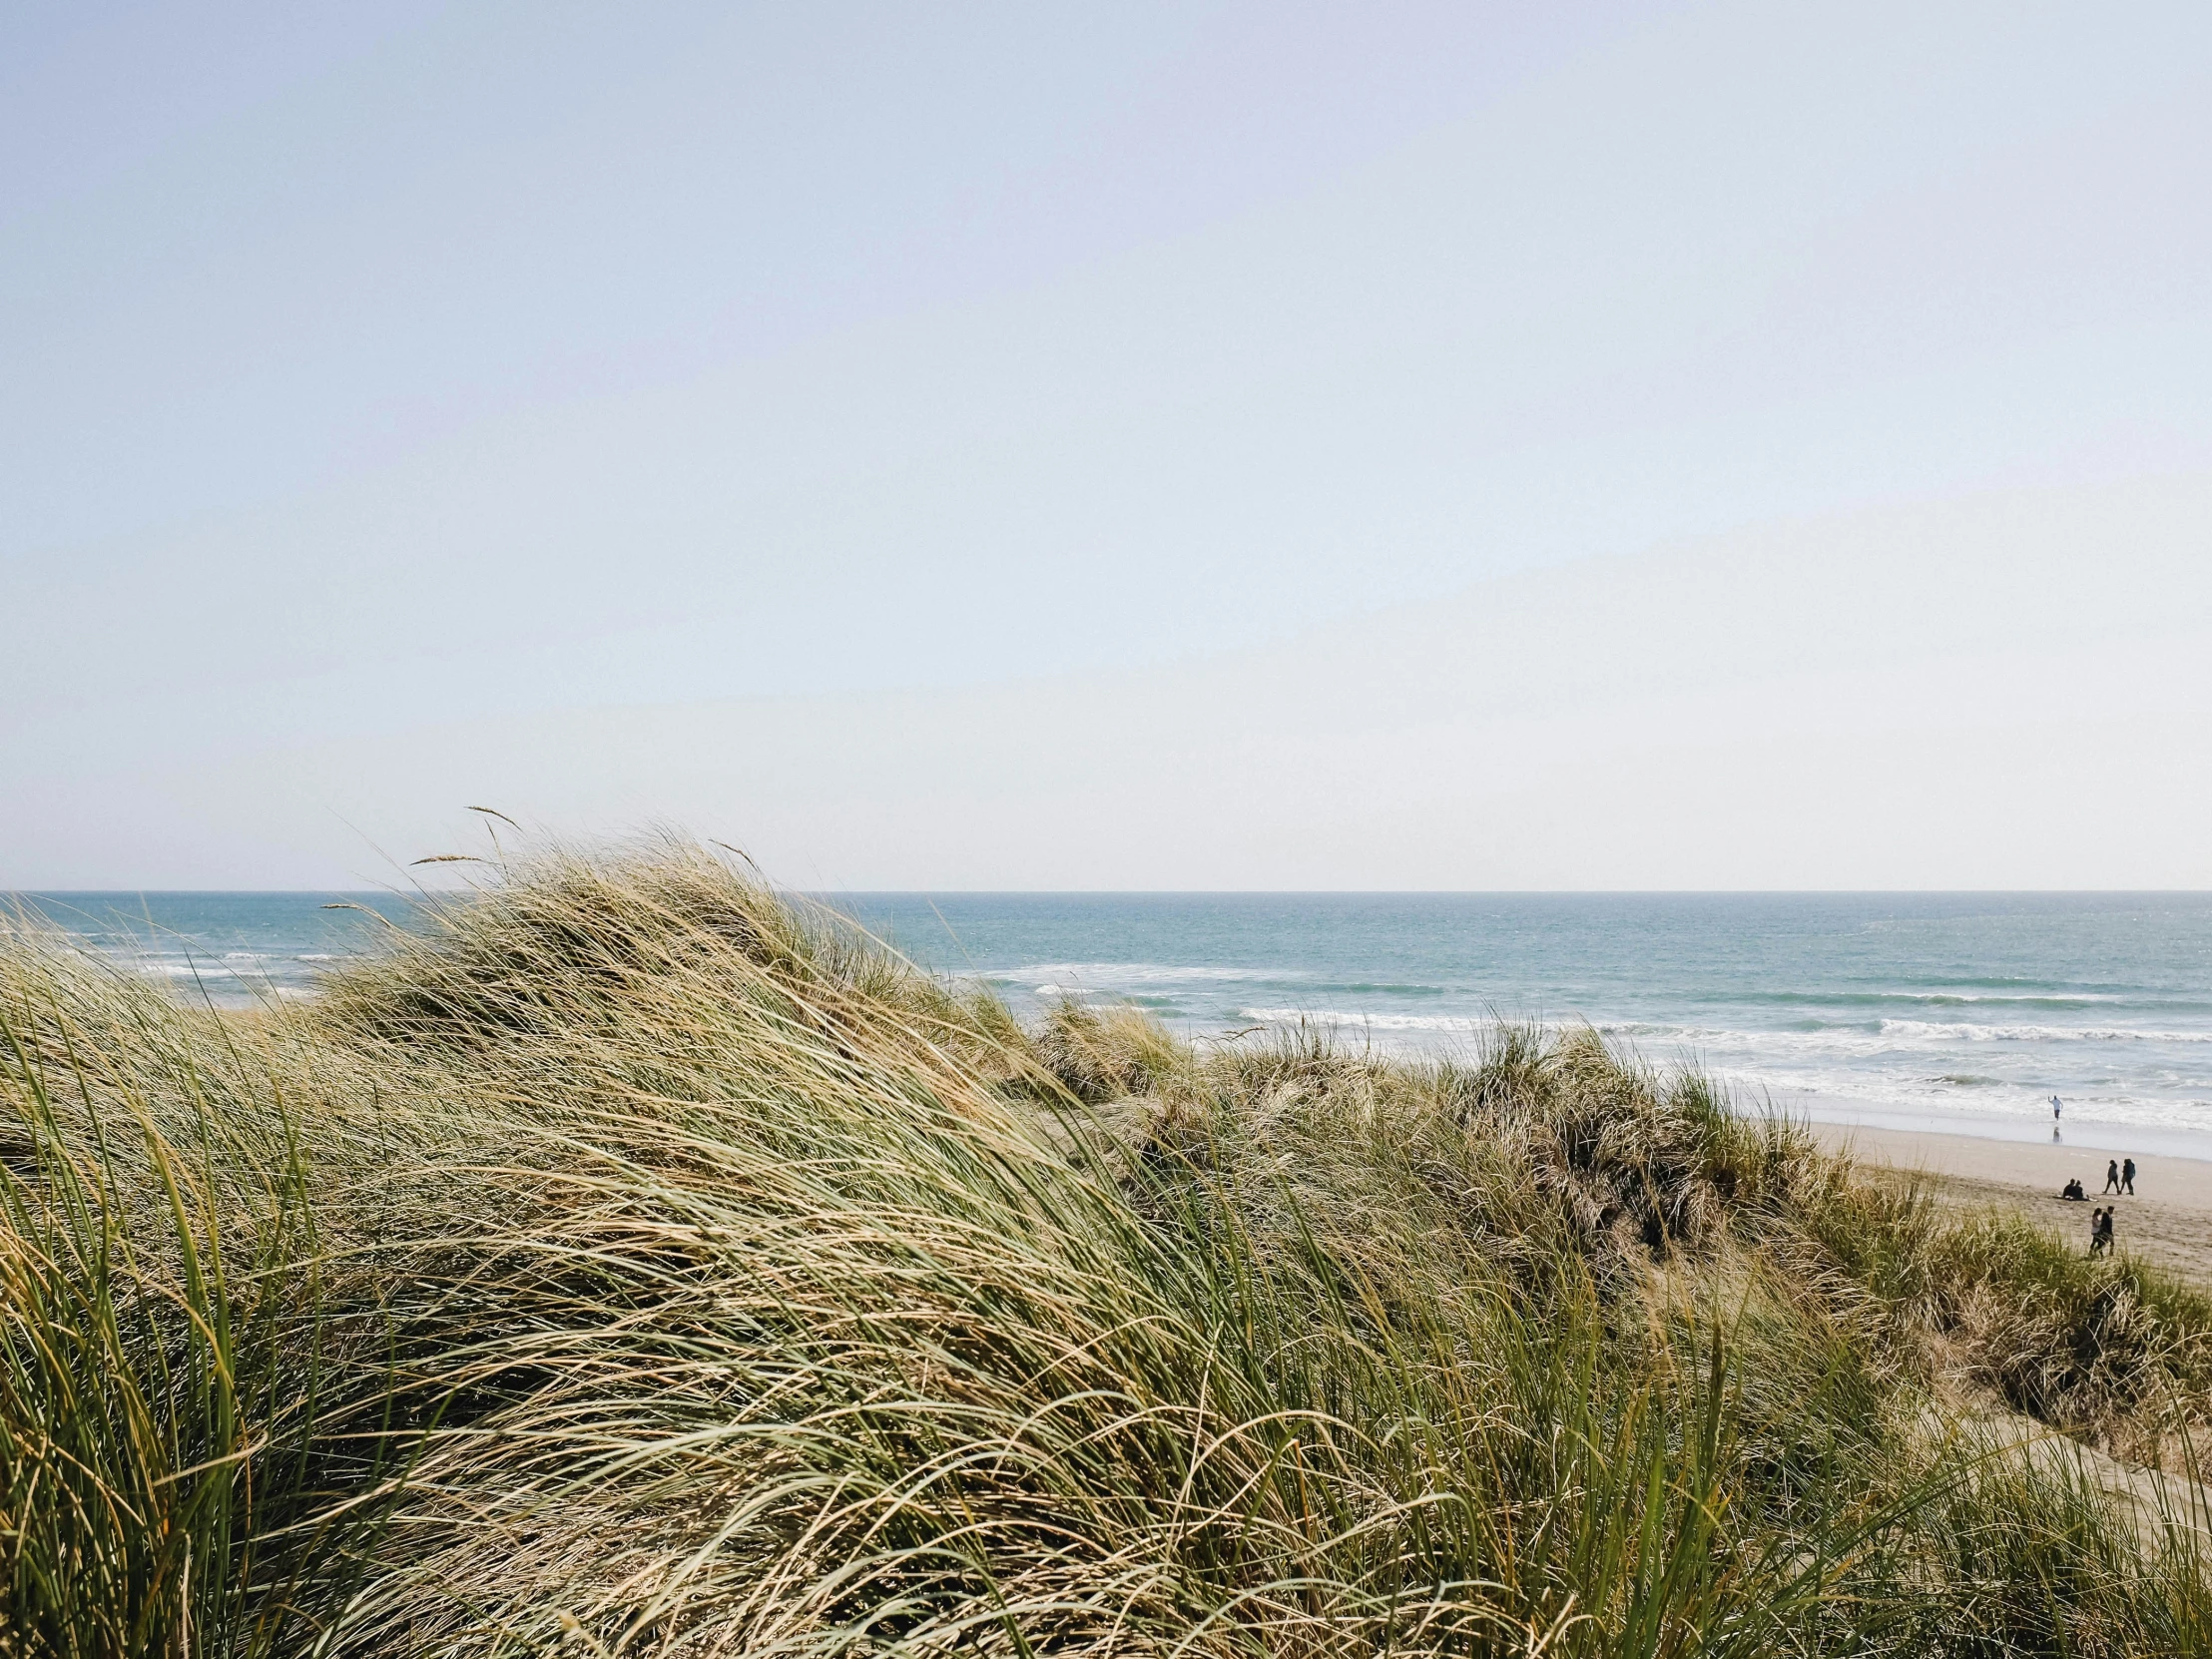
636,1262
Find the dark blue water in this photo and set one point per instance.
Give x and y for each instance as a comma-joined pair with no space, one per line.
1963,1011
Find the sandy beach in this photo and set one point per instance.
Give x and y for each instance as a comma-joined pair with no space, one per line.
2168,1221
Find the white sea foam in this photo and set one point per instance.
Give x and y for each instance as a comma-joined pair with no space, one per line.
1637,1033
1151,972
1894,1035
1372,1021
2022,1103
1962,1031
1049,977
1991,1003
1890,1037
1835,1040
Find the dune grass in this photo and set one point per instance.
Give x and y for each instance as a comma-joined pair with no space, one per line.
634,1261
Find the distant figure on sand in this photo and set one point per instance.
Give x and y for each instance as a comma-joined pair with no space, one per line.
2071,1192
2054,1117
2100,1231
2112,1175
2127,1178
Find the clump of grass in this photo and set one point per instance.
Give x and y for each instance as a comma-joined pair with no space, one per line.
633,1261
1103,1054
2106,1349
180,1381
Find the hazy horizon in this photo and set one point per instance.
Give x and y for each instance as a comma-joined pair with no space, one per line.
829,895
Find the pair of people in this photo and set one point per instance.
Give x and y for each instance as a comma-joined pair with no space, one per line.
2120,1177
2100,1230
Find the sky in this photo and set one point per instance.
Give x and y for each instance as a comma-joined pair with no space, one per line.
1258,446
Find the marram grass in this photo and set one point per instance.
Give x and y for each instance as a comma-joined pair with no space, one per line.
636,1262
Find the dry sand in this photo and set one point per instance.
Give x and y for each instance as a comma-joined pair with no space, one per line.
2168,1221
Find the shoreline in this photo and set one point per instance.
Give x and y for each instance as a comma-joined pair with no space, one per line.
2083,1135
2168,1220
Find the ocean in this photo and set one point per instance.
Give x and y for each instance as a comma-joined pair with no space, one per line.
1955,1011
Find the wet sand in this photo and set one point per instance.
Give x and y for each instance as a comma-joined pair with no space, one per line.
2167,1222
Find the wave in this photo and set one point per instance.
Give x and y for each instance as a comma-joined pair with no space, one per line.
1372,1021
1963,1032
1936,999
1892,1036
1126,973
1358,987
1835,1040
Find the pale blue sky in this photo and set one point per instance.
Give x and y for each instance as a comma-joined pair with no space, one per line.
1113,447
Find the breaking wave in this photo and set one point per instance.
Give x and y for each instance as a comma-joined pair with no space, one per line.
1947,1031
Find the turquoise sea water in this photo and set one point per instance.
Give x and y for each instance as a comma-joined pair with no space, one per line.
1963,1011
231,948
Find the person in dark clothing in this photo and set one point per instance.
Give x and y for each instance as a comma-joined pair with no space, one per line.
2071,1192
2112,1175
2100,1231
2127,1178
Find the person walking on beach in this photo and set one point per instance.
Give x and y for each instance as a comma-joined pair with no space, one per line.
2127,1178
2100,1231
2112,1175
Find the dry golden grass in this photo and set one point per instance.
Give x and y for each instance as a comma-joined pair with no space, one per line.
634,1261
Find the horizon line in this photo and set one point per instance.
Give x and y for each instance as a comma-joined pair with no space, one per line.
1187,892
